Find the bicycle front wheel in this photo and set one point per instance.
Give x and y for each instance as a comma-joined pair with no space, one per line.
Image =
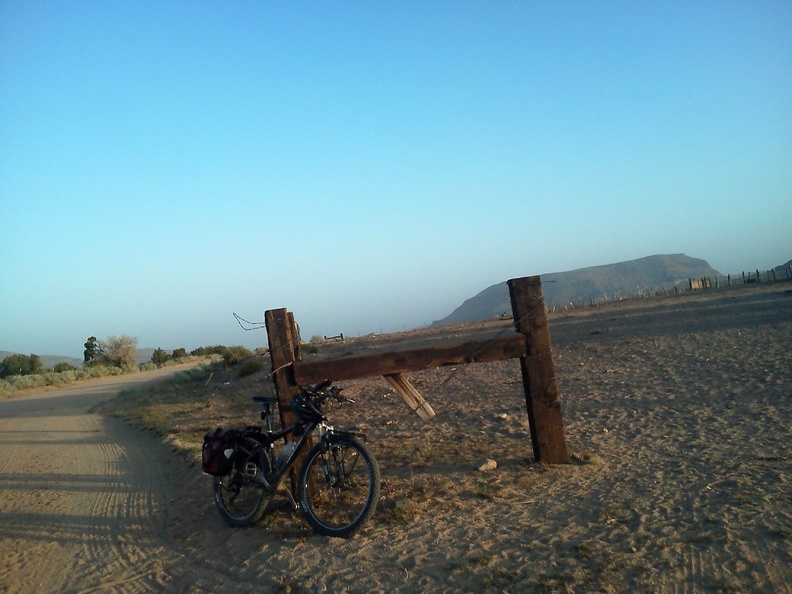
242,495
339,487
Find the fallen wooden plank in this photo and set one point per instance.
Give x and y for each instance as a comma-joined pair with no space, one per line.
412,397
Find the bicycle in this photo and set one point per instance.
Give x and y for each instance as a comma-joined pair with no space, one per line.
338,484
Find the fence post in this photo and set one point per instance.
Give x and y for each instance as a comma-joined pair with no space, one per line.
283,337
538,371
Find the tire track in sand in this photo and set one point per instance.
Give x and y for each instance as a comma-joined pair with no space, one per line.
85,500
124,550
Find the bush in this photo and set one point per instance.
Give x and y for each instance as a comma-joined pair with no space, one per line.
179,353
26,382
159,357
63,367
309,348
209,350
7,390
197,373
234,355
100,370
20,365
250,366
121,351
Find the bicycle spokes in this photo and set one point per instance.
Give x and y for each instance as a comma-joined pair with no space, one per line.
340,488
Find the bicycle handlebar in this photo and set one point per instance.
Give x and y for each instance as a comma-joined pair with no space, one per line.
320,391
320,387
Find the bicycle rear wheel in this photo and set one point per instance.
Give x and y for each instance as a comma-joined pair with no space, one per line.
339,487
242,495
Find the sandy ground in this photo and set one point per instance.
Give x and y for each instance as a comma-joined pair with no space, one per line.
678,413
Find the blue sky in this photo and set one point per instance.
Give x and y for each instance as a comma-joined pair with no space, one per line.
370,166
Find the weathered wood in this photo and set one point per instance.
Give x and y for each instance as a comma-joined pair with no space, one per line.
283,336
538,371
411,396
309,372
283,351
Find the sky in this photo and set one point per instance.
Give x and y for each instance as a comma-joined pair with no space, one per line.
368,165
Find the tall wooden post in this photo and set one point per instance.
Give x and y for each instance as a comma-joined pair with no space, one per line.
283,337
283,352
538,371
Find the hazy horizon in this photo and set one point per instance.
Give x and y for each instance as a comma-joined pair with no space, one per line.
370,167
258,337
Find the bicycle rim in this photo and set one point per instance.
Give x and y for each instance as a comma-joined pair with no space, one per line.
339,488
241,499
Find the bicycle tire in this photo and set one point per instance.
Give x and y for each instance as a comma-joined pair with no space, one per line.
241,497
340,501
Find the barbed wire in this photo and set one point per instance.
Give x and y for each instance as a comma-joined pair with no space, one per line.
253,325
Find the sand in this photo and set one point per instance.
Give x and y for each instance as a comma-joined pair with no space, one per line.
678,414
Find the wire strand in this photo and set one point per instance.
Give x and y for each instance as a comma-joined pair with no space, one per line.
253,325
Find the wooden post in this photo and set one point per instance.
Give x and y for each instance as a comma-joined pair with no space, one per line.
538,371
283,337
283,352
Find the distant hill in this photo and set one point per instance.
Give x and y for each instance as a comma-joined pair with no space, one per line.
784,270
144,355
624,279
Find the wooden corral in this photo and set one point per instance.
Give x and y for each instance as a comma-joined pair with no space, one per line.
530,344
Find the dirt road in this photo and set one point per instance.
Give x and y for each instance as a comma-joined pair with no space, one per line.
82,506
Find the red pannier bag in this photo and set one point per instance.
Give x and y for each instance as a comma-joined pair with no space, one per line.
217,454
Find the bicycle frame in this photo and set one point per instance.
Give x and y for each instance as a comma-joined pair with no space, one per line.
266,439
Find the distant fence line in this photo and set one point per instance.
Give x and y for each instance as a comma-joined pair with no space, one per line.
694,284
773,275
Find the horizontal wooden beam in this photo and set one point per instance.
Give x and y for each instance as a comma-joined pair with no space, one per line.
309,372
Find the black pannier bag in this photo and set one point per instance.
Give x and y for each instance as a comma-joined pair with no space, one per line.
217,454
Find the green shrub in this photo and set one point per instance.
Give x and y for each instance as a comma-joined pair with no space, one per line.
20,365
94,371
7,390
69,376
250,366
209,350
159,357
234,355
27,382
309,348
62,367
197,373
